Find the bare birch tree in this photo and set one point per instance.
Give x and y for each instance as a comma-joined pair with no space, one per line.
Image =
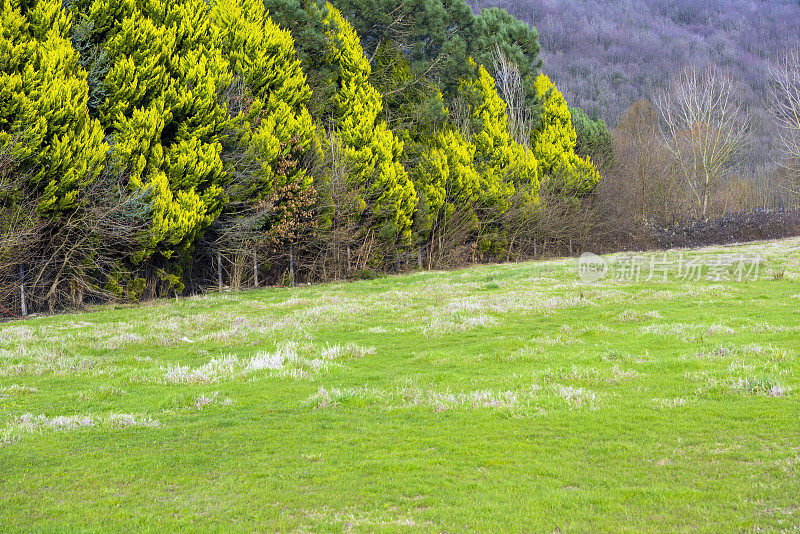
511,88
705,128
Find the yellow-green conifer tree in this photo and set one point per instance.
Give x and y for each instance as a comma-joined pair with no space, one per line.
274,118
553,143
448,182
386,192
475,178
162,114
44,119
502,161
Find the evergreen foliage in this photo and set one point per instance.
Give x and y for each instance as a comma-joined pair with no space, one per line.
271,109
270,197
495,29
446,178
501,160
163,117
383,186
44,119
437,37
593,138
554,141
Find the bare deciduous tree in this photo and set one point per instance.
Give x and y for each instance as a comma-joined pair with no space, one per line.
340,249
785,108
643,182
705,128
63,260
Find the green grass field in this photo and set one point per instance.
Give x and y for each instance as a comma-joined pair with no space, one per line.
496,398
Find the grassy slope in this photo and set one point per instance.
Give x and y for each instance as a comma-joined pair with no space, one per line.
503,397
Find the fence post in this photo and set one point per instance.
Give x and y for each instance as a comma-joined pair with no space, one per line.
219,271
23,304
255,268
291,265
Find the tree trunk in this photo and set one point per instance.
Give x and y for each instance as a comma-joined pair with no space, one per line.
706,189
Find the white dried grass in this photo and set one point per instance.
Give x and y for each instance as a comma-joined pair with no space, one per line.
675,402
42,360
632,316
577,397
720,329
29,423
202,401
289,360
407,396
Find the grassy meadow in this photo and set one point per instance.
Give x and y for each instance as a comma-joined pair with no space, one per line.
495,398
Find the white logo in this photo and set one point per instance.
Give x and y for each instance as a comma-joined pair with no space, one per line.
591,267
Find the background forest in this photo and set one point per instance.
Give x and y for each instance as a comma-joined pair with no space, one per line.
152,148
606,56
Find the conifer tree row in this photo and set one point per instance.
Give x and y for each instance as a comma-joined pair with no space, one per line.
202,116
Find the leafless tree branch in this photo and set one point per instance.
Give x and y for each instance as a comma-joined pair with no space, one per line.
705,128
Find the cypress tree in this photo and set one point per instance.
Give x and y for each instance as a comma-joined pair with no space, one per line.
554,142
473,179
447,181
503,162
273,121
272,134
382,185
44,117
162,114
